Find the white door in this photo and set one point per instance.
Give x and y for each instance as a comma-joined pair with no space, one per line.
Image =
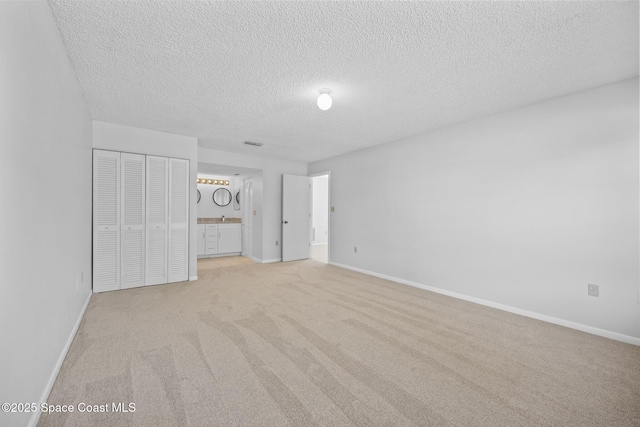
296,217
156,233
178,259
106,221
132,222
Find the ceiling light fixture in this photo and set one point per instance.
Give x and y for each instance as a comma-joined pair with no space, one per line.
324,100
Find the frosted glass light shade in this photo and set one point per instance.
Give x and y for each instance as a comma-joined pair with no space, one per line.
324,101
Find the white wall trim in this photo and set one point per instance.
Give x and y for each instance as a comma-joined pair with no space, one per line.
54,374
193,278
269,261
566,323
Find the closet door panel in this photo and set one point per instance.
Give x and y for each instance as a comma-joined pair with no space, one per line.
132,232
157,218
178,257
106,221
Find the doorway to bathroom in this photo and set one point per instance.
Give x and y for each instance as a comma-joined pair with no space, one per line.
320,217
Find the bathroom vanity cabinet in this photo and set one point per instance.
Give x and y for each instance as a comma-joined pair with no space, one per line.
219,239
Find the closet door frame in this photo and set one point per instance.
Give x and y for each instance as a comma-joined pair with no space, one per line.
141,220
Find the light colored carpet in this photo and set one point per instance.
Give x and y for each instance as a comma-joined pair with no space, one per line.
309,344
221,262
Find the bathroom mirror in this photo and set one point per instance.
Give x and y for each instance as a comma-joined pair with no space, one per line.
222,197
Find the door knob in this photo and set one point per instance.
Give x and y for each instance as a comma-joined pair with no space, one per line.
286,222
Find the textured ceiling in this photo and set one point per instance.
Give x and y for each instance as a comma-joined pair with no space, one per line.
227,72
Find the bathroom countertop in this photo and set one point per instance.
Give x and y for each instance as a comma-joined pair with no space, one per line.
219,221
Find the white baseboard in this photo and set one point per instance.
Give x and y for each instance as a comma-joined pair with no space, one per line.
52,379
562,322
269,261
192,278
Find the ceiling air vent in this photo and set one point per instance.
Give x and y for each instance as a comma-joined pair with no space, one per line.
257,144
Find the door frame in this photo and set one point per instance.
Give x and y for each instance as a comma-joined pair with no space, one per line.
247,212
328,174
296,210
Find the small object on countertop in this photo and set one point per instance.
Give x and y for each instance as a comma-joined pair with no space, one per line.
222,218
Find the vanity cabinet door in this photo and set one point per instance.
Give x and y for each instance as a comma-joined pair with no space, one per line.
229,239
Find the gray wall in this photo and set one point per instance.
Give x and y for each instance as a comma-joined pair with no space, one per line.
45,213
522,209
207,208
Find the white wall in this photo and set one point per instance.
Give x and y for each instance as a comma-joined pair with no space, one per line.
267,196
320,208
522,209
207,208
110,136
45,213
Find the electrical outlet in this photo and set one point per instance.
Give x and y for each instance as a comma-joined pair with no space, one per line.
593,290
355,249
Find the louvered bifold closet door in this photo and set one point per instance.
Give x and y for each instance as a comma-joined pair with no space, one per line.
157,218
106,221
178,220
132,188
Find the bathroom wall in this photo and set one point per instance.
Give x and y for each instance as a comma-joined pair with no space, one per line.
207,208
